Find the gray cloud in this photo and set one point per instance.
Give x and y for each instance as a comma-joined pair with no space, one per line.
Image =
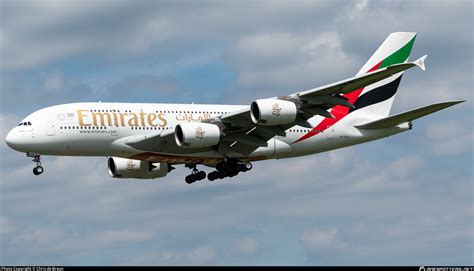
276,62
143,86
321,244
22,93
125,27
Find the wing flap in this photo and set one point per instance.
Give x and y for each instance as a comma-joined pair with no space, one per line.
397,119
246,139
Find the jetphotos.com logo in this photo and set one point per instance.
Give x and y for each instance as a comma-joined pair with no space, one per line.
445,268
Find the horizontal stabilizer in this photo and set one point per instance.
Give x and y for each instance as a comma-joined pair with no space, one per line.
397,119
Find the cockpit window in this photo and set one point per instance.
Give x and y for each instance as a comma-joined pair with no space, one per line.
26,123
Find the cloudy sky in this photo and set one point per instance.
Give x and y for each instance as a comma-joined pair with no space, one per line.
407,199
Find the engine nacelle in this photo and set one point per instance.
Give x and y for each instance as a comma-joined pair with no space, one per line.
272,112
197,135
136,169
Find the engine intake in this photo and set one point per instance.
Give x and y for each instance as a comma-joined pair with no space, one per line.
272,112
136,169
197,135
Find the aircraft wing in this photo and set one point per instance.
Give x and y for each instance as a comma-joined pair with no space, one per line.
354,83
320,99
243,136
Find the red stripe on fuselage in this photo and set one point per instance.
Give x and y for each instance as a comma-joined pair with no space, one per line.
338,111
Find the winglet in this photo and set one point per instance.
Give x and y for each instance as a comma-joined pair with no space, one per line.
420,62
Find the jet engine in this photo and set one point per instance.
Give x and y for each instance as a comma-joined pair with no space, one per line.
272,112
136,169
197,135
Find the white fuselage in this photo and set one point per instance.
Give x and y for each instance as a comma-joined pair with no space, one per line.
101,129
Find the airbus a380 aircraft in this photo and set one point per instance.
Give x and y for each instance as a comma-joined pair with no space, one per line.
146,141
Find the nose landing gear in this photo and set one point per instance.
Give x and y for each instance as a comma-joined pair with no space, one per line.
37,159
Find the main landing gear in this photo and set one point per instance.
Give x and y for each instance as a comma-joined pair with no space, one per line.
229,168
37,159
196,175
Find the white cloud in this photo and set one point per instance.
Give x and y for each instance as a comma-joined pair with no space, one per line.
125,235
330,40
396,175
54,81
201,255
36,33
286,61
6,226
7,122
320,243
246,246
450,138
420,91
267,46
359,7
39,237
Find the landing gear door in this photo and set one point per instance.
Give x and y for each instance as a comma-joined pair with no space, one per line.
50,128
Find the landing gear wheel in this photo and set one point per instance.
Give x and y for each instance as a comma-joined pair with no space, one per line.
212,176
38,170
200,175
221,175
190,179
232,173
195,175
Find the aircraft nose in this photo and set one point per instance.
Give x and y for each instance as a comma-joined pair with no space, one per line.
12,139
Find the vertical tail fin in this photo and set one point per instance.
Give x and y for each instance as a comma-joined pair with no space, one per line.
378,98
